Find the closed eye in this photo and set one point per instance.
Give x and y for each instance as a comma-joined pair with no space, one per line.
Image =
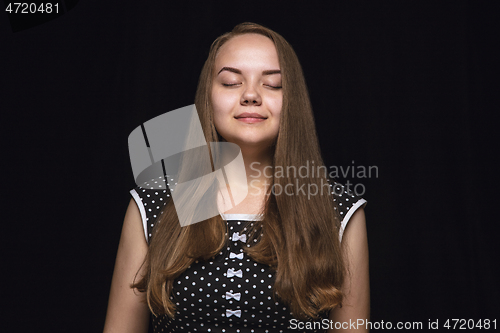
235,84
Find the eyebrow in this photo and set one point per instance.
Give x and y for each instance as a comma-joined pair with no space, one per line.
237,71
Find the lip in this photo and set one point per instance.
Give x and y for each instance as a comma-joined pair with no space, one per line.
250,115
250,118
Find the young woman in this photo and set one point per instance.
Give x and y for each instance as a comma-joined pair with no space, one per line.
285,259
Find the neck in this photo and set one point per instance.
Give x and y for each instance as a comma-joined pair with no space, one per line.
247,193
258,165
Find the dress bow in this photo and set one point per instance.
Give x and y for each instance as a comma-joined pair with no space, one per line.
234,255
231,272
236,313
236,296
238,237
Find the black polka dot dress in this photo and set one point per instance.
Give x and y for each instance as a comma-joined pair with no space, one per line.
231,292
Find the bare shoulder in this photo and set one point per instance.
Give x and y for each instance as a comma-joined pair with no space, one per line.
132,227
355,231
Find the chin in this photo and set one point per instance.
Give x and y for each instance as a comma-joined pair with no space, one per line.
242,138
253,142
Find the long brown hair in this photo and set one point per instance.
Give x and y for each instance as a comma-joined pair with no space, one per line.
300,232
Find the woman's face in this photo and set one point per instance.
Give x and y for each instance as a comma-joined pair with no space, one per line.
246,91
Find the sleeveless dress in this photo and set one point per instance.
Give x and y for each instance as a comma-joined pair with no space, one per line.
231,292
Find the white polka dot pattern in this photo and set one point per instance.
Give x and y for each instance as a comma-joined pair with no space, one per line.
229,293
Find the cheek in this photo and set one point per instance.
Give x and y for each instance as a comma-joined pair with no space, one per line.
221,101
276,105
221,109
218,117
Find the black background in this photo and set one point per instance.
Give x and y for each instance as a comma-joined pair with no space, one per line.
407,86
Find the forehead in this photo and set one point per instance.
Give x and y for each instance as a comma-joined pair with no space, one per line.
248,51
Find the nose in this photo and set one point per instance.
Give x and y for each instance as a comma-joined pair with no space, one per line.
250,96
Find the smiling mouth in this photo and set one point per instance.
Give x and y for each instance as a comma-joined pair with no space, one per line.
249,116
